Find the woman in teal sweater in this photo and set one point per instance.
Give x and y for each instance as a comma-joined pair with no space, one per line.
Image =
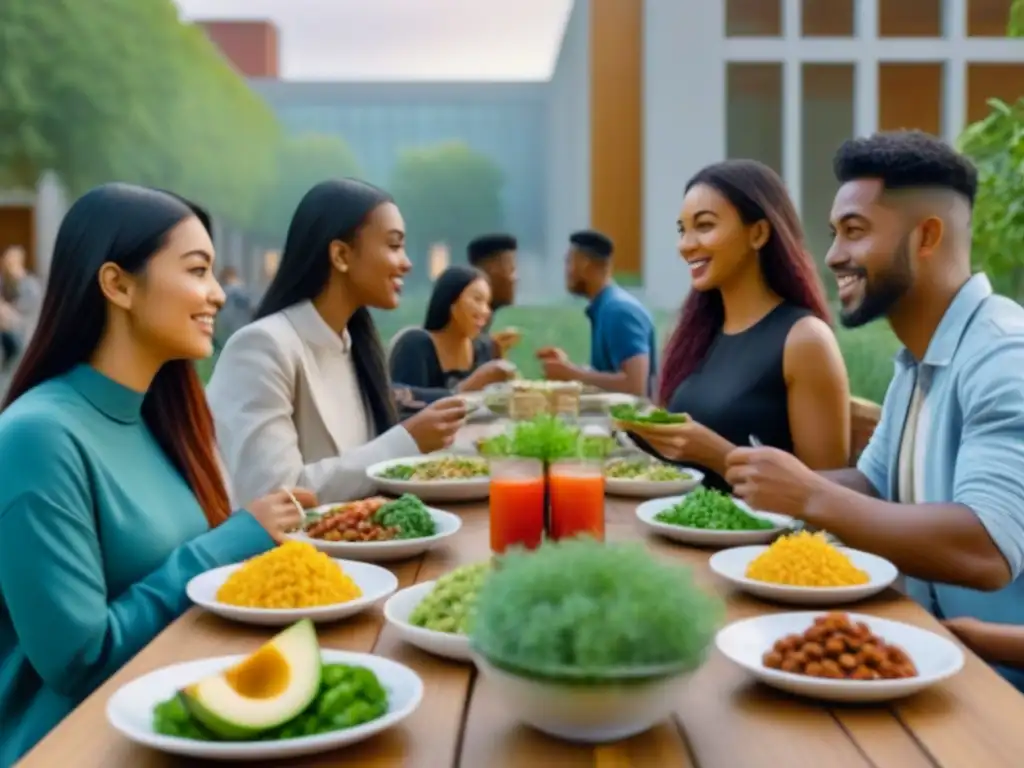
111,495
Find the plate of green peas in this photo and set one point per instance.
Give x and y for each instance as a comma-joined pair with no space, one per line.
710,518
435,615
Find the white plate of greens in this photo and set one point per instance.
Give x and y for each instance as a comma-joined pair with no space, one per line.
432,615
133,710
443,524
640,476
435,477
707,517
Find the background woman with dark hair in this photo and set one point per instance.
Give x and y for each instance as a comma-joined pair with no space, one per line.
301,396
451,353
753,354
112,497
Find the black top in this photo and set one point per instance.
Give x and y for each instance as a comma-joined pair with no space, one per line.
414,364
739,389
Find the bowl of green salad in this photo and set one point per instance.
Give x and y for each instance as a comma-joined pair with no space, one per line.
640,476
710,518
590,642
435,615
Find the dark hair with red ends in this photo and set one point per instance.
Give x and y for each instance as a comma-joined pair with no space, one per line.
756,192
125,225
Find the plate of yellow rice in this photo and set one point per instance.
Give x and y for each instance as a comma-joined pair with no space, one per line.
291,582
804,568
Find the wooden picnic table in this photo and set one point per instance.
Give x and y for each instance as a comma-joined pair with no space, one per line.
724,719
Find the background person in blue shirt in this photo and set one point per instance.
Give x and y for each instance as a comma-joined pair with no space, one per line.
943,496
622,340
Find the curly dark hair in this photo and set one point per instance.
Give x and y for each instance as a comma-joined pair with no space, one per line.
906,160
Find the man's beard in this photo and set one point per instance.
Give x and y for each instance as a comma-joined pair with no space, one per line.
882,292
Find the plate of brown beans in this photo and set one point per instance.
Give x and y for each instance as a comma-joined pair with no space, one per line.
842,657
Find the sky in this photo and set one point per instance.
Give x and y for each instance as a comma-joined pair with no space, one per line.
405,39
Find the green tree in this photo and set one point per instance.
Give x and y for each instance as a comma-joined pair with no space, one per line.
996,145
301,162
122,90
448,194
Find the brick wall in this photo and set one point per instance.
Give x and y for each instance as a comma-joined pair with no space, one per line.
252,46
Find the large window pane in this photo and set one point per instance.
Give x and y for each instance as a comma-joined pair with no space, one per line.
910,18
752,18
988,18
910,96
754,113
827,18
992,81
827,120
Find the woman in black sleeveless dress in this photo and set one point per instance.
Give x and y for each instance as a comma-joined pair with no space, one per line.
753,355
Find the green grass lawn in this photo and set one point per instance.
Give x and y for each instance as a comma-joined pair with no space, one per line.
868,351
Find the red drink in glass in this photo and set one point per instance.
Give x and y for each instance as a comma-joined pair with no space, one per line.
576,490
516,504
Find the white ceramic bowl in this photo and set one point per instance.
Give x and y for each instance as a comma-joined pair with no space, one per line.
375,582
703,537
745,643
590,713
731,565
130,710
652,489
385,551
400,606
470,489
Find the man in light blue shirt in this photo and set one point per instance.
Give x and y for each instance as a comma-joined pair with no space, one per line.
939,490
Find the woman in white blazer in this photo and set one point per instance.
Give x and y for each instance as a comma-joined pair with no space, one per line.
301,396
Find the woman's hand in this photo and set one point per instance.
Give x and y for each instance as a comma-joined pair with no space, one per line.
491,372
404,399
505,339
278,514
687,443
435,427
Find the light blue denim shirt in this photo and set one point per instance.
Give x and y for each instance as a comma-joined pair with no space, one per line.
972,380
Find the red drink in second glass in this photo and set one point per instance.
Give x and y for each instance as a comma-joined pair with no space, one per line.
516,504
576,490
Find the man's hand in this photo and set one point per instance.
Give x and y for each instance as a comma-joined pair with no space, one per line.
552,353
772,480
558,369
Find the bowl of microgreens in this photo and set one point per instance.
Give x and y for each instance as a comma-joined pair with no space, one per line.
548,438
591,642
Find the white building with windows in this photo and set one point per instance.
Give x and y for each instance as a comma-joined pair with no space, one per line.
785,82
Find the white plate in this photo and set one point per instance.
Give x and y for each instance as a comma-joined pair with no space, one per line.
703,537
652,489
731,565
385,551
130,709
375,582
400,606
472,489
745,643
602,401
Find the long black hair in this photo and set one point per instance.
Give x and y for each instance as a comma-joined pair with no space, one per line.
334,210
125,225
447,289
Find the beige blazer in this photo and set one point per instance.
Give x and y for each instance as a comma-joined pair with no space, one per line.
287,413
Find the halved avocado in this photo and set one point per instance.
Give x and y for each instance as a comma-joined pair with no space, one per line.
269,688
